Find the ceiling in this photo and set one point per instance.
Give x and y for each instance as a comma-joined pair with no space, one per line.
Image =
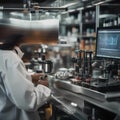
50,3
42,7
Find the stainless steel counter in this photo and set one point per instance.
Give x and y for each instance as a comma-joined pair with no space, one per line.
77,95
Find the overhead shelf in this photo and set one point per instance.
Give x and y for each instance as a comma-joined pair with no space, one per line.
107,16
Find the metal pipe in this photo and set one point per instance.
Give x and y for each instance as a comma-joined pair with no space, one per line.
33,9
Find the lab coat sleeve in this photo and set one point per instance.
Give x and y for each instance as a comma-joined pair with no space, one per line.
22,91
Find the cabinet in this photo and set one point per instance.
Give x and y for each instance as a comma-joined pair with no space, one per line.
88,22
109,15
70,26
88,28
80,26
69,23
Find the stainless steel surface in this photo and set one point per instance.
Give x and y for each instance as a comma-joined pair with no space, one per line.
79,97
81,90
88,92
68,106
112,96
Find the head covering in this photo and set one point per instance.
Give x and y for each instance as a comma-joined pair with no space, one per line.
12,41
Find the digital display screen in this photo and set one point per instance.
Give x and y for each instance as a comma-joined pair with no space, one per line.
108,43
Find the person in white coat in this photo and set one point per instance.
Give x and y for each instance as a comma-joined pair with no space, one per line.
19,98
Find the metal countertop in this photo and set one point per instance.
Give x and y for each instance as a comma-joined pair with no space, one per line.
78,95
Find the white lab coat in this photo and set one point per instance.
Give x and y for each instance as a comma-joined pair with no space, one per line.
19,98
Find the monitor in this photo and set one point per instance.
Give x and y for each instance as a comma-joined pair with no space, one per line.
108,43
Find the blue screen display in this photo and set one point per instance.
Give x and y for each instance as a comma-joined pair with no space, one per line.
108,43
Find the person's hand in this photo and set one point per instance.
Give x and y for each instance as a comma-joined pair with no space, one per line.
37,76
43,82
40,78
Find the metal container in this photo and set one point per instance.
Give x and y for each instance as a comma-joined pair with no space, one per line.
48,65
